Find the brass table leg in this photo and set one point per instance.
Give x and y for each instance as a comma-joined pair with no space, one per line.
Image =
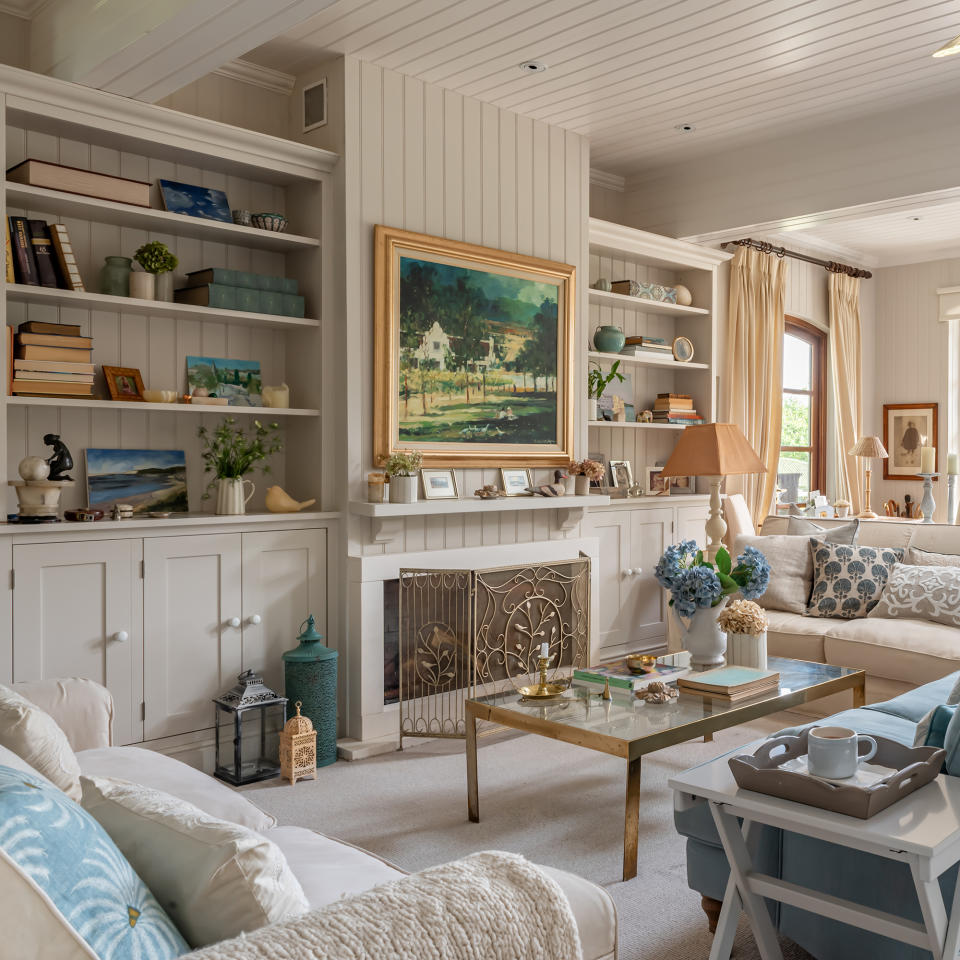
860,693
708,738
631,820
473,796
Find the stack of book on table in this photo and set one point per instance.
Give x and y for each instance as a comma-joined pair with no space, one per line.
241,290
51,360
730,684
647,347
621,679
675,408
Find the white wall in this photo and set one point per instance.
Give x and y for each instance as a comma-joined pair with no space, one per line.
14,40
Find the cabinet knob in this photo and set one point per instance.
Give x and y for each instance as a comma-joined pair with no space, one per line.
255,619
637,571
628,572
121,636
234,621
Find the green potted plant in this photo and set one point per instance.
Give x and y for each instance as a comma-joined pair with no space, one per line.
403,468
230,453
597,382
156,280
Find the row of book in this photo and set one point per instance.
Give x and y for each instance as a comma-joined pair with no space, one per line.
40,254
50,360
675,408
241,290
647,346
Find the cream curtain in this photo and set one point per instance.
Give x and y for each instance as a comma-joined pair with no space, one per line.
753,370
847,381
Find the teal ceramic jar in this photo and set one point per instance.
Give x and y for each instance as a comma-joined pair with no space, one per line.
115,276
609,339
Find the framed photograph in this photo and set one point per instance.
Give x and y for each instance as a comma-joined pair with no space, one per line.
473,353
149,480
124,383
516,481
621,474
194,201
599,485
237,380
682,349
657,484
906,428
683,485
439,485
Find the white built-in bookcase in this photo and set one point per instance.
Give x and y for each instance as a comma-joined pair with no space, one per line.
64,123
623,253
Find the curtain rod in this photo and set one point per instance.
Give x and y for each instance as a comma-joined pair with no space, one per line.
830,265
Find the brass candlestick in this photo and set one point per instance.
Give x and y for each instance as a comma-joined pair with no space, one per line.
542,690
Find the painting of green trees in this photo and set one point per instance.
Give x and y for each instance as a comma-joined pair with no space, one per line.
478,356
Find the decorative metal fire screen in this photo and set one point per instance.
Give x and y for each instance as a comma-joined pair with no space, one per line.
466,633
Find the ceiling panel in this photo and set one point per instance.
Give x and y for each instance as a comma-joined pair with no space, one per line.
628,73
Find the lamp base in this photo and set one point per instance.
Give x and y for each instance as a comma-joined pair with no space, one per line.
867,515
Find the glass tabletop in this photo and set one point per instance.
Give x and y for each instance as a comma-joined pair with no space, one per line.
629,719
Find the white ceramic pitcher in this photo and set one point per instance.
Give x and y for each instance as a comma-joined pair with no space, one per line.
230,498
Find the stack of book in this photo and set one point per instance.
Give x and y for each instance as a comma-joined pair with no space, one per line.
648,346
40,254
51,360
241,290
675,408
730,684
621,679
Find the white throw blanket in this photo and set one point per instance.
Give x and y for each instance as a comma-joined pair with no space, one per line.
488,906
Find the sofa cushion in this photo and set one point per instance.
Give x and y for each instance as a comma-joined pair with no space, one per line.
216,879
791,570
156,770
951,743
35,737
77,895
942,538
915,704
796,636
81,708
803,527
847,580
921,593
932,729
874,723
926,558
9,759
594,912
913,651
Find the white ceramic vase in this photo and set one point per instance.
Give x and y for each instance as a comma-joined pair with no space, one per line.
143,285
581,485
703,637
592,411
747,650
403,489
230,498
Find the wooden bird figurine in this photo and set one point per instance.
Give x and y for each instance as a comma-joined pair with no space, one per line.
279,501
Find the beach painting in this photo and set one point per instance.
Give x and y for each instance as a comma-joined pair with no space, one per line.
192,201
237,380
148,480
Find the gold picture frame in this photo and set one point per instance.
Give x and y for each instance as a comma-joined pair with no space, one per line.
499,399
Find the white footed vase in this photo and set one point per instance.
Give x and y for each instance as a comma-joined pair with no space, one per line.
230,498
702,636
747,650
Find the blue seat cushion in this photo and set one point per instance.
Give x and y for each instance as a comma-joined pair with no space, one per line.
916,704
875,723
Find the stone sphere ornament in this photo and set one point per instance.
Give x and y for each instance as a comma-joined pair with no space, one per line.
684,296
34,468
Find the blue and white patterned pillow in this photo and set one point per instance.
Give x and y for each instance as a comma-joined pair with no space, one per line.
848,579
67,854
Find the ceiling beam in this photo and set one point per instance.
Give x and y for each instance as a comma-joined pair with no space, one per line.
148,49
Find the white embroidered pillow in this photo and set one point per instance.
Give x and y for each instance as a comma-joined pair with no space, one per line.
921,593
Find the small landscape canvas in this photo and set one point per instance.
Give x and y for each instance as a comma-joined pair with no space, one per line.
237,380
146,479
195,201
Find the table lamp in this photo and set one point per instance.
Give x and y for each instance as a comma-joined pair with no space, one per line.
715,451
868,448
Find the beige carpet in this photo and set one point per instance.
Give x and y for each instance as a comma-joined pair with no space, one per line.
555,803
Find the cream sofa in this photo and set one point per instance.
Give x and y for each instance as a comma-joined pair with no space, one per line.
896,654
327,869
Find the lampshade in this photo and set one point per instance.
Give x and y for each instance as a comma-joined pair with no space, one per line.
870,447
713,450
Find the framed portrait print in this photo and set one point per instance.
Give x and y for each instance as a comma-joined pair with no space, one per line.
516,481
621,474
123,383
906,428
683,485
473,353
657,484
439,485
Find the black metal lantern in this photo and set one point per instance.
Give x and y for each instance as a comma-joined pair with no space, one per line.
257,712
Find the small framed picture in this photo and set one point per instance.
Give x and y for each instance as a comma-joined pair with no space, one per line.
683,349
657,484
683,485
599,485
439,485
621,473
124,383
907,427
516,481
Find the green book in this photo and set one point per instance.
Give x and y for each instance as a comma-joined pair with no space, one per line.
293,305
730,680
271,301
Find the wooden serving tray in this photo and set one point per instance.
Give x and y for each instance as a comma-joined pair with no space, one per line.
910,769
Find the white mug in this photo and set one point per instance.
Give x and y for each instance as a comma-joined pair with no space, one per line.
834,752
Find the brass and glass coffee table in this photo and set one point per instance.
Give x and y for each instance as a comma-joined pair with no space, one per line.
631,728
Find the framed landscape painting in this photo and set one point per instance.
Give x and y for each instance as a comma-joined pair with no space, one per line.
148,480
473,353
906,428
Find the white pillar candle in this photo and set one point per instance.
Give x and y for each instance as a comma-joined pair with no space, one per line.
928,459
544,649
953,464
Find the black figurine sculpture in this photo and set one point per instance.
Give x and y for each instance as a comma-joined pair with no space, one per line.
61,461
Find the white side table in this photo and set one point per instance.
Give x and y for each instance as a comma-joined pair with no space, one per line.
922,830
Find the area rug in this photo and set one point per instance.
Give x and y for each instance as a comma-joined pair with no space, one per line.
556,804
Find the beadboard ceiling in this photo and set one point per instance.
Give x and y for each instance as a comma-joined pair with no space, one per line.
627,73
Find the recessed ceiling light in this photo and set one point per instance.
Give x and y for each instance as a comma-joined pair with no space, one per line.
685,127
533,66
948,49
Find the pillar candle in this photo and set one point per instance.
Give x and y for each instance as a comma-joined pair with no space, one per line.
953,464
544,649
928,459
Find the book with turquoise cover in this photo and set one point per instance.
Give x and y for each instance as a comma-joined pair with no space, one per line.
728,680
618,674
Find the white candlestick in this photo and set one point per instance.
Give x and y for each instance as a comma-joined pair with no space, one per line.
928,460
544,649
953,464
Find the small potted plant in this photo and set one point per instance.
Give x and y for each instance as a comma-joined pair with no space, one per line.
156,280
745,624
597,382
842,507
230,453
403,468
585,471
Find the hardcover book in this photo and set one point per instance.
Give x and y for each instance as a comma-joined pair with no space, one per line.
730,681
25,266
620,676
43,253
55,176
66,259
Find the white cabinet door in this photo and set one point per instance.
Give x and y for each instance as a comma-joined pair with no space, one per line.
612,529
645,601
76,613
284,580
691,523
192,629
